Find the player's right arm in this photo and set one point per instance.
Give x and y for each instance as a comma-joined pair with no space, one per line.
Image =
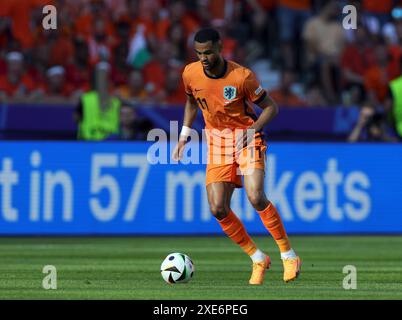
190,113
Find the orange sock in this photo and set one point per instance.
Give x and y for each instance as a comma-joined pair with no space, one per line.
235,230
273,222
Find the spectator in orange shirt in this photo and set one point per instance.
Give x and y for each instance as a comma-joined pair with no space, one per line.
21,14
116,7
61,47
84,25
78,73
377,78
16,84
178,41
177,13
39,62
155,70
230,46
357,57
284,96
57,90
393,37
228,10
134,91
174,88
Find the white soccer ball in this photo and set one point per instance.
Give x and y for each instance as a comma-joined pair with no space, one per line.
177,268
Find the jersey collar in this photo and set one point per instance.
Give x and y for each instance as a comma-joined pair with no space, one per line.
225,67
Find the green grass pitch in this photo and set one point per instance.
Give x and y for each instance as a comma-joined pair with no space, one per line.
128,268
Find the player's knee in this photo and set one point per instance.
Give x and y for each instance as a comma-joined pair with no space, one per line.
258,199
219,211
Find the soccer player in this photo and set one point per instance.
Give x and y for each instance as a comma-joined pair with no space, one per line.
222,90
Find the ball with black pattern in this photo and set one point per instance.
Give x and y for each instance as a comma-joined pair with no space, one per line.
177,268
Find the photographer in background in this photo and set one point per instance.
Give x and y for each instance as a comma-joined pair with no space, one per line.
371,127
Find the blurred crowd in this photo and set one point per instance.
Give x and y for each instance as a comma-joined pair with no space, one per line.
299,49
148,42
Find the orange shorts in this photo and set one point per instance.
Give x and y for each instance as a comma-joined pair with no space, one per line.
229,167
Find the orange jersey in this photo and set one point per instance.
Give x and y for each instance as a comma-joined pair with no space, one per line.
225,100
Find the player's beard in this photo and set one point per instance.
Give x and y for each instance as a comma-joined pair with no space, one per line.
208,66
211,65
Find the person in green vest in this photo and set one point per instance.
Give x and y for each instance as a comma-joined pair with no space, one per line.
98,113
395,103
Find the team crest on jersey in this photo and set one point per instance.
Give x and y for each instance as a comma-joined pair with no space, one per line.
229,92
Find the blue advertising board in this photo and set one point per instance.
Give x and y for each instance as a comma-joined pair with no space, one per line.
78,188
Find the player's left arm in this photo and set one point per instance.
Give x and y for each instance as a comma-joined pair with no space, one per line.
269,111
254,93
257,95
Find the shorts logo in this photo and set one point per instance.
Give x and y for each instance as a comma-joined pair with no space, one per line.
229,92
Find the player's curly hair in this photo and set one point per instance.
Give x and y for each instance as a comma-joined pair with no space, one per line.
207,34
